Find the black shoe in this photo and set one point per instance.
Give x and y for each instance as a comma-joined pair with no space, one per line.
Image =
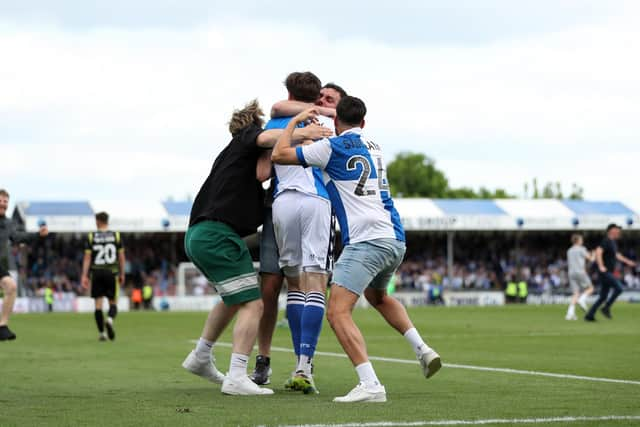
607,312
6,334
111,333
589,318
262,372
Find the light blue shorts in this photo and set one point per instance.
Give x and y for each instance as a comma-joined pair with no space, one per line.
370,263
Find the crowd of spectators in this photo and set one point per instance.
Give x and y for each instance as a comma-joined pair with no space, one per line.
57,262
540,261
481,262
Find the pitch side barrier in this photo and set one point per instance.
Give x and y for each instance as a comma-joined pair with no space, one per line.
71,303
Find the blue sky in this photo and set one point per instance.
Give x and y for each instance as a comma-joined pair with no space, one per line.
129,100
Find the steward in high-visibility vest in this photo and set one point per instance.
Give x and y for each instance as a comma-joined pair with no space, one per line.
523,291
435,294
48,298
147,296
511,292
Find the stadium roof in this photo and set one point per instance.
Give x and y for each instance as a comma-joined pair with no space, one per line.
58,208
416,214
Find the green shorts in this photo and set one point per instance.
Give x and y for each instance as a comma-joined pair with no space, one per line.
223,257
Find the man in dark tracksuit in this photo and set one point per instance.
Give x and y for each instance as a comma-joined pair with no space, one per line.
606,256
9,233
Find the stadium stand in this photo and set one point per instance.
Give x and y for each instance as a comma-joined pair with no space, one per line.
457,244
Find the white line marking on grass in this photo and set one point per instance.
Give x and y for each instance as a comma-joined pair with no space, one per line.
477,422
540,374
459,366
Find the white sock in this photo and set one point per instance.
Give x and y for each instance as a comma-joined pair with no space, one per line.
416,341
304,365
366,374
203,348
238,365
572,310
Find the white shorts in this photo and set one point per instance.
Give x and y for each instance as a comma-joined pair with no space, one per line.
302,226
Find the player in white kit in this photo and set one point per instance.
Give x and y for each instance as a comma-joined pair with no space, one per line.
302,228
372,235
271,274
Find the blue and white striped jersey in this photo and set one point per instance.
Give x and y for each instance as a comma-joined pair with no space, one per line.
355,177
305,180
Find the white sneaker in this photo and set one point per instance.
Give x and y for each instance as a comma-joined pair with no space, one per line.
570,317
430,362
243,386
364,393
205,368
582,302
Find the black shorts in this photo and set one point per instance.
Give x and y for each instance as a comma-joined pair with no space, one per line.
104,283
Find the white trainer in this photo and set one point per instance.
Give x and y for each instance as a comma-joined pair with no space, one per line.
364,393
205,368
570,317
582,302
430,362
243,386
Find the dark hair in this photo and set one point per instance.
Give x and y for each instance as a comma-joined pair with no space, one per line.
337,88
4,193
304,87
351,110
102,217
612,226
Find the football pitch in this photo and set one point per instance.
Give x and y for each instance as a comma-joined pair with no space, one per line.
57,373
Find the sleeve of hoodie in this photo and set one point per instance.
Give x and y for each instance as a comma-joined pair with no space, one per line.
18,235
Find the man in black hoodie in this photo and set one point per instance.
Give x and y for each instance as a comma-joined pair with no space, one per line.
9,233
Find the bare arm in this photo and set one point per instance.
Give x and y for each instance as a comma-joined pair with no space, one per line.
85,269
283,152
121,261
268,138
599,259
625,260
291,108
591,256
263,166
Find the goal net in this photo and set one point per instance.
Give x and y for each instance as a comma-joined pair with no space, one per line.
191,282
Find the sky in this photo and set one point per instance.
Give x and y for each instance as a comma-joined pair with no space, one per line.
130,99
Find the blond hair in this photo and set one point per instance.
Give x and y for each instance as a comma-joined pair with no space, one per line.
251,113
575,238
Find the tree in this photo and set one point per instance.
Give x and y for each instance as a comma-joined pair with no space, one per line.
461,193
577,192
553,190
416,175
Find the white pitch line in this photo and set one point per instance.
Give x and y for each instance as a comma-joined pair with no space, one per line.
459,366
476,422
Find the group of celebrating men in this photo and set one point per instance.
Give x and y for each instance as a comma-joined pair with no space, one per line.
321,167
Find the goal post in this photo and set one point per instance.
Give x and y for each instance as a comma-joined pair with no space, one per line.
191,282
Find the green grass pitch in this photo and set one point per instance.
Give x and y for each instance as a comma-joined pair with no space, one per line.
57,373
